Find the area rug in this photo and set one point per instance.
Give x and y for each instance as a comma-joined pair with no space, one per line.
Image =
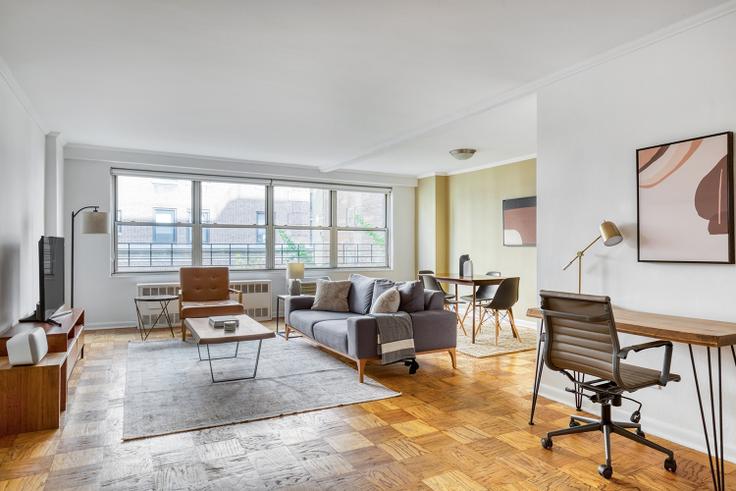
168,390
485,342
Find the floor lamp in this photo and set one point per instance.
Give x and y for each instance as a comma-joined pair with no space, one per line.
611,236
93,222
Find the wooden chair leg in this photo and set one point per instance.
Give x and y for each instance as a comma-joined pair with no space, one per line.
483,313
498,325
361,369
513,325
453,357
465,315
459,320
183,330
287,330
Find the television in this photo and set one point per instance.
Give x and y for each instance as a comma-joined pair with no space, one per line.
50,279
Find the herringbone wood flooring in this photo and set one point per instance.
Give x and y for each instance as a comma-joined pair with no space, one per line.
451,429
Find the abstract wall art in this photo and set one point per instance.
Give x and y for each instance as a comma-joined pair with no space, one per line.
685,201
520,221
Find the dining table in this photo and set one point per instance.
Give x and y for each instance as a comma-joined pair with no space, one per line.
474,282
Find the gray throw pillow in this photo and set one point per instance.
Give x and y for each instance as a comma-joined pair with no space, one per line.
412,296
388,302
331,296
361,293
379,286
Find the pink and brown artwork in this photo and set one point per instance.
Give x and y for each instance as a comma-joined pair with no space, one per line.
685,192
520,221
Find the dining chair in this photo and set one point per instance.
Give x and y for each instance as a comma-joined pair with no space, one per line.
504,300
483,295
430,283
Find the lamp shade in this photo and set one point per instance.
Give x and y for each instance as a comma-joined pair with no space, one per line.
610,234
94,222
295,271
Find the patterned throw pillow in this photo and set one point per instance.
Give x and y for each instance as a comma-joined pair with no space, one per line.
387,303
332,296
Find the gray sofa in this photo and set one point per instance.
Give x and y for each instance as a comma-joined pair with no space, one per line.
354,334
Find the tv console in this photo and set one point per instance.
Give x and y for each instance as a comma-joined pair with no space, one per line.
32,397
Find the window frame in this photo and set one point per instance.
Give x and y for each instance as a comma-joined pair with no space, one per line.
196,230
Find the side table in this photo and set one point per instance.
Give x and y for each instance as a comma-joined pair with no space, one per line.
282,298
163,303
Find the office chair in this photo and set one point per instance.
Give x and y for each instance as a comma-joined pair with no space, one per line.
581,337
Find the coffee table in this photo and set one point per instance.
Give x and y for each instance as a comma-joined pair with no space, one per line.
248,330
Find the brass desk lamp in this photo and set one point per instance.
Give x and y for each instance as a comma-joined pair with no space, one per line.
611,237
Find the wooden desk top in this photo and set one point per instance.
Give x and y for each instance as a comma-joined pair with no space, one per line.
480,279
248,330
689,330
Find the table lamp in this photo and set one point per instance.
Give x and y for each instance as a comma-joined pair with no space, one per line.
611,236
93,222
294,271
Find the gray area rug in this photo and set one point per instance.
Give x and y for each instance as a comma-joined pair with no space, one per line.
168,390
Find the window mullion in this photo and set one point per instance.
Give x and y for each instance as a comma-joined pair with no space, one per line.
333,228
196,223
270,234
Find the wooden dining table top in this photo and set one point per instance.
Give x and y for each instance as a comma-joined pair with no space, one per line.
459,279
678,329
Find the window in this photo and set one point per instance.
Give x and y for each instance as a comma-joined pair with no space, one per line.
165,221
362,235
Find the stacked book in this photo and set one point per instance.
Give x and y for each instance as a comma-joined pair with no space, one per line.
222,321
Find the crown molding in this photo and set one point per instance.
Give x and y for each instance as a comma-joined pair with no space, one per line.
497,163
228,166
20,95
532,87
431,174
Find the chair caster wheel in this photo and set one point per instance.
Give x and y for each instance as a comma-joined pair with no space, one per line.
546,443
635,417
670,465
641,433
573,423
605,471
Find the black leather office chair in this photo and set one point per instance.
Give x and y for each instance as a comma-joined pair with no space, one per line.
581,336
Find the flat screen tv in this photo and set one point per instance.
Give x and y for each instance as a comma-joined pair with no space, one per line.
50,279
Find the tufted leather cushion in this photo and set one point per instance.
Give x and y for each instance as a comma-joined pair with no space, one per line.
191,310
204,284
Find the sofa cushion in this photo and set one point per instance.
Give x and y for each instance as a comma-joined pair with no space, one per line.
388,302
333,334
379,286
434,329
208,309
361,293
412,296
332,296
304,320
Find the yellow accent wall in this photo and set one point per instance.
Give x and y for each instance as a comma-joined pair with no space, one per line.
462,214
476,224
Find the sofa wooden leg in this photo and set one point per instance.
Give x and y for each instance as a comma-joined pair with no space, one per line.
453,357
361,369
183,331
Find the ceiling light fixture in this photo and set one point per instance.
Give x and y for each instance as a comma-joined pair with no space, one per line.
462,153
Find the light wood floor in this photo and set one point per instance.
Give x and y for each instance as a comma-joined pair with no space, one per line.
451,429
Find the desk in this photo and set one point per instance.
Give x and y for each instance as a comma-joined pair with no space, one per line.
709,334
472,281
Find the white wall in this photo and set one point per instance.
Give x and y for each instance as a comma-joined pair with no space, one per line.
107,299
54,188
589,127
22,204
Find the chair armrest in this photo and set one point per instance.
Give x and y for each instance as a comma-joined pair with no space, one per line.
239,293
300,302
665,373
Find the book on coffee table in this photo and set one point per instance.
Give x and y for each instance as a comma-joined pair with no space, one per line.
219,321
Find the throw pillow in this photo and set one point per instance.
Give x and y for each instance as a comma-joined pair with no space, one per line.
412,296
387,303
379,286
361,293
332,296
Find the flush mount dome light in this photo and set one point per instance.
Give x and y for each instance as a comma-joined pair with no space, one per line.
462,153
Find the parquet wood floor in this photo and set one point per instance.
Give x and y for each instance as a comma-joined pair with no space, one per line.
451,429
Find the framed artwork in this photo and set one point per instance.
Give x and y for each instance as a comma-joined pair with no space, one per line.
685,201
520,222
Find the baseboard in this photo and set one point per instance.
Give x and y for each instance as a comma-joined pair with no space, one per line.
682,436
96,326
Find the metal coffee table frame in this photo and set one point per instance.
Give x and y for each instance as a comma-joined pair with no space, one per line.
210,359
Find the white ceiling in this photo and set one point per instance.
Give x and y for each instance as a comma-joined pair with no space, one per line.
318,83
